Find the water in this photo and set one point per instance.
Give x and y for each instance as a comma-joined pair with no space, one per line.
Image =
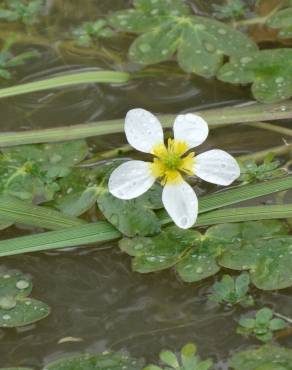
96,299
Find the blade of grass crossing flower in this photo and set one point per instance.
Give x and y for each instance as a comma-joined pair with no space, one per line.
236,195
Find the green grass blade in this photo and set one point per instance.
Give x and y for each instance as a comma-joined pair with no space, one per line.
74,236
66,80
243,193
237,195
20,212
215,118
245,214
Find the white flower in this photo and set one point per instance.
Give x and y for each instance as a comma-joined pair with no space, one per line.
133,178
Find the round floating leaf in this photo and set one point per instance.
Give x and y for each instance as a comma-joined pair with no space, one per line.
130,217
26,311
161,251
270,72
105,361
168,28
263,358
13,284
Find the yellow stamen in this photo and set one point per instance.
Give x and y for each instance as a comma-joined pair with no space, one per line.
169,163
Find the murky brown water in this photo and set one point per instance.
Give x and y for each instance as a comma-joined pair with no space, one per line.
93,293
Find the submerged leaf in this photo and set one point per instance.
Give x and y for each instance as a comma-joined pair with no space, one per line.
282,19
102,361
269,71
263,358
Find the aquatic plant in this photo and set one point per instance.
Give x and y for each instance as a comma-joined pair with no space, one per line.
134,178
262,326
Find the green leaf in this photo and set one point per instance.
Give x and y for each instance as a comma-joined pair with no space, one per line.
283,20
269,71
200,42
14,284
29,172
169,358
277,324
152,367
25,312
103,361
199,263
263,358
253,172
264,316
161,251
76,204
130,217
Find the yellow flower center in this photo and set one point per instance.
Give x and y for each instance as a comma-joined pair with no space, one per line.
169,164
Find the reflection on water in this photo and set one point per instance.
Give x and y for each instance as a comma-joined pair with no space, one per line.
93,294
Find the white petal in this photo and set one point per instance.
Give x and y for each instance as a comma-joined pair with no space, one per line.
143,130
130,180
217,167
181,203
190,128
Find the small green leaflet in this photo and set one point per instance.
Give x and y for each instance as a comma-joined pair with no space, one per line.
188,360
251,172
15,308
263,358
269,71
168,28
89,32
261,326
283,21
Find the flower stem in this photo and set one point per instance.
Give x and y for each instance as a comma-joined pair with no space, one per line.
259,156
283,317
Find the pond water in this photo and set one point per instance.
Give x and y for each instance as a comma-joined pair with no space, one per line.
95,297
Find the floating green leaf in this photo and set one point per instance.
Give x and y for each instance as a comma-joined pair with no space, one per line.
188,360
103,361
282,19
13,284
25,312
263,247
161,251
167,27
263,358
262,326
15,308
29,172
269,71
132,217
232,291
